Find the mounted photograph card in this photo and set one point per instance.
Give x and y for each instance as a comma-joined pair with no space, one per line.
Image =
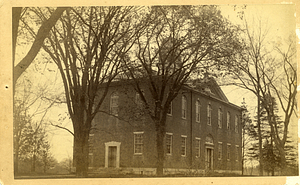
178,93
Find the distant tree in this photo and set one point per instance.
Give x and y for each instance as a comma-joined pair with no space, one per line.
246,133
67,164
179,43
29,115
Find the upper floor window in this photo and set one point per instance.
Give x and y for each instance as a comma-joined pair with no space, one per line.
170,109
183,146
138,142
169,140
236,124
198,105
114,104
220,117
228,120
209,114
184,107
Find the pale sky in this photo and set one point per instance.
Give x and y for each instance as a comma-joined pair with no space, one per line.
281,22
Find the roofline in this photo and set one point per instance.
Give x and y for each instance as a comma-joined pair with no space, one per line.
212,97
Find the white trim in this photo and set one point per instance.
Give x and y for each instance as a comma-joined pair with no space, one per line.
169,133
183,136
138,132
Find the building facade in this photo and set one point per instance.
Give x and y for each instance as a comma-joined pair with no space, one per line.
203,132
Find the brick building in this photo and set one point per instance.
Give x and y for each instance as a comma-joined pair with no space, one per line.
204,132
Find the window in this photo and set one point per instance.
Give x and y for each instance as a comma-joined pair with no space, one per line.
170,110
236,124
209,114
228,151
197,147
220,150
169,140
183,145
184,107
114,98
220,116
198,111
228,120
91,144
138,142
237,152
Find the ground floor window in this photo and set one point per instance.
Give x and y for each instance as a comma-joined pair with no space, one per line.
169,140
183,145
138,142
228,151
237,152
197,147
220,150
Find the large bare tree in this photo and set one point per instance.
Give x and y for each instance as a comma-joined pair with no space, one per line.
86,44
179,42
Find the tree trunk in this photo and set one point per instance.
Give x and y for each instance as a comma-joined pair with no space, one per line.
260,156
282,159
81,152
160,150
33,163
16,160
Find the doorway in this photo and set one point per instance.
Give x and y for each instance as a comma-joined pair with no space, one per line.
112,156
209,158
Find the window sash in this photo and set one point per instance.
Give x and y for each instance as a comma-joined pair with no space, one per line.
236,124
114,104
170,110
138,143
198,111
183,146
209,114
220,115
169,139
220,151
184,107
228,120
197,147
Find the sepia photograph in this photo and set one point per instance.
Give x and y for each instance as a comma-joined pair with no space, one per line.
154,92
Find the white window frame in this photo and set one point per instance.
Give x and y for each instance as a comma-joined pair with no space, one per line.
171,143
183,138
198,107
236,124
114,104
198,147
220,118
228,151
209,110
184,107
134,143
228,120
220,152
171,109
